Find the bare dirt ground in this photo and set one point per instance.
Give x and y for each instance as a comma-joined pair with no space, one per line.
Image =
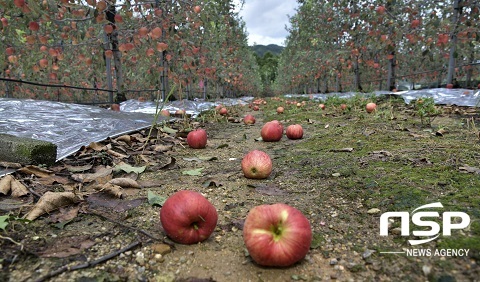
348,169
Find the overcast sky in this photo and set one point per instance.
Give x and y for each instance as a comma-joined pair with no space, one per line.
266,20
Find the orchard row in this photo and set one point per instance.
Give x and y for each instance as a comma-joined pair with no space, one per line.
344,45
198,46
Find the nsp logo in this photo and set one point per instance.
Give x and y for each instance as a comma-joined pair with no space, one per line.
417,218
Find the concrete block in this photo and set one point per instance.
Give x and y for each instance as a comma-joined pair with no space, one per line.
27,151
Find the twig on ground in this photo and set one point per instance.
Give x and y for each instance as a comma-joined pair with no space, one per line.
87,264
126,226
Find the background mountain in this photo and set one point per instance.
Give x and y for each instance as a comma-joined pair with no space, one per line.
260,50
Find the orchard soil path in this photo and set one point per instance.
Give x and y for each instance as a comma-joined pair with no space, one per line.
348,169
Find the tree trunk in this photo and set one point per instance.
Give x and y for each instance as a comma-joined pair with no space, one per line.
391,72
453,44
468,78
356,69
117,55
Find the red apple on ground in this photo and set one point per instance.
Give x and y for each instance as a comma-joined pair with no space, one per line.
322,106
249,119
343,106
277,235
188,217
256,165
370,107
294,131
272,131
223,111
450,86
197,139
165,113
256,108
115,107
280,110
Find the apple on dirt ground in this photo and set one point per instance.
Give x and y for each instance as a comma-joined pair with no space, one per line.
280,110
256,164
197,139
294,131
343,106
188,217
277,235
249,119
272,131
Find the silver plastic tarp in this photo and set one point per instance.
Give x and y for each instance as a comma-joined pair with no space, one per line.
441,96
71,126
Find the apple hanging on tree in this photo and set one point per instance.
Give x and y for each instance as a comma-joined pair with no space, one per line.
277,235
188,217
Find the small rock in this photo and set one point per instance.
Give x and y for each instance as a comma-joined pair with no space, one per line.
396,231
367,253
159,258
333,261
427,269
373,211
336,174
162,249
140,258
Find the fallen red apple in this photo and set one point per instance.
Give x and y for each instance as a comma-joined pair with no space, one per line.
294,131
197,139
343,106
249,119
370,107
256,108
450,86
322,106
188,217
165,113
115,107
277,235
272,131
280,110
223,111
256,165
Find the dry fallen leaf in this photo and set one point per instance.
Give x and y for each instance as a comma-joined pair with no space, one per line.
10,184
35,170
51,201
97,146
100,173
125,183
111,189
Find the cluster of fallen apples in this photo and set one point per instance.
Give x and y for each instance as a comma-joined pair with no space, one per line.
275,235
